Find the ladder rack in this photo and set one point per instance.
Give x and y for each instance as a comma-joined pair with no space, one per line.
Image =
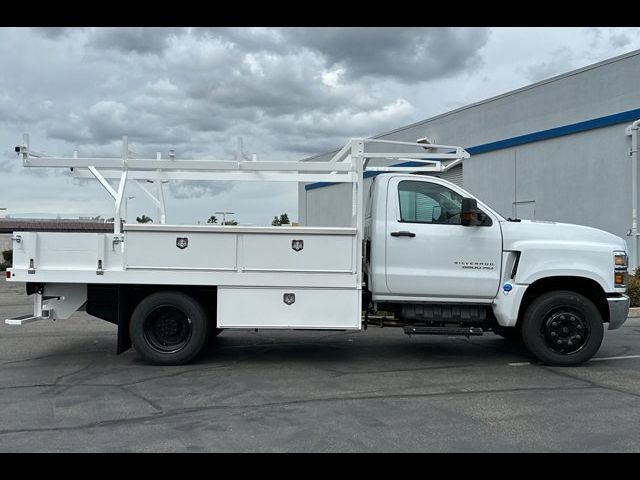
347,166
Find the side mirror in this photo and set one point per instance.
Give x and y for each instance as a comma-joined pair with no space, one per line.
470,215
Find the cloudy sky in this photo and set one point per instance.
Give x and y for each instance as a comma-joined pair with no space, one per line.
289,92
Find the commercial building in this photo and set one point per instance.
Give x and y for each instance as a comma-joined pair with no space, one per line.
556,150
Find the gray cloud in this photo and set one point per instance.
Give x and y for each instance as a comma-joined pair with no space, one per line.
6,165
53,33
197,188
141,40
562,61
620,40
409,54
256,39
289,92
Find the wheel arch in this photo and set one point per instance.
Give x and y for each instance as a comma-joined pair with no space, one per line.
116,303
587,287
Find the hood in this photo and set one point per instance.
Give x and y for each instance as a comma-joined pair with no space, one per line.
517,234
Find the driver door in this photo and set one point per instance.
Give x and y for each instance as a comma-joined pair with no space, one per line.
429,253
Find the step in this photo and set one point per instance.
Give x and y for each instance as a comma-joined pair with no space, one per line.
419,330
28,318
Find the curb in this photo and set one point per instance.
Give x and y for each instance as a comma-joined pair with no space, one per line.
634,312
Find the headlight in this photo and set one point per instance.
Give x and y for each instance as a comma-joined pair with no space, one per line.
621,260
621,264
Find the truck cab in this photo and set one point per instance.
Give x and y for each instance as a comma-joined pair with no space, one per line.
444,262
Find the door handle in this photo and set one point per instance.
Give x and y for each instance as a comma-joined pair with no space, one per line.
403,234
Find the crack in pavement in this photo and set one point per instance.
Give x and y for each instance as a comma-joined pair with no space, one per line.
52,355
182,411
591,383
116,385
59,387
148,401
50,385
341,373
176,374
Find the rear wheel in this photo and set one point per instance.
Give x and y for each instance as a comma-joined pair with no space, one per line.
169,328
562,328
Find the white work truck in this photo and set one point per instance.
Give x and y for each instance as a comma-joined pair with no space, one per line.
421,249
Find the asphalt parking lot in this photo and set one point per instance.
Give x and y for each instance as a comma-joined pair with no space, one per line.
63,388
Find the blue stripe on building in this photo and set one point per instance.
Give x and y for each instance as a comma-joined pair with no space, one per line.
587,125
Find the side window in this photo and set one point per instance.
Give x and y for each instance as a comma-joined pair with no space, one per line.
424,202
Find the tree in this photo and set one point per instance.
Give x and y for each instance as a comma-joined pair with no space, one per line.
8,259
212,219
144,219
282,220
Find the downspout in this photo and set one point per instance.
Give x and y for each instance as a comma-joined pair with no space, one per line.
633,131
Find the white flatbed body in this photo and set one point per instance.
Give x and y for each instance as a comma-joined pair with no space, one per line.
253,268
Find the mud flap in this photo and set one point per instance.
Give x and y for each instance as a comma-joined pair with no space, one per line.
124,316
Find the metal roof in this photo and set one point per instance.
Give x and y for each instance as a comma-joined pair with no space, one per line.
10,225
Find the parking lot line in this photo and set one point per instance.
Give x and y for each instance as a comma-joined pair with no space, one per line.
598,359
614,358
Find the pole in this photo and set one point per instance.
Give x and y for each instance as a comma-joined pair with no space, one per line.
634,192
126,208
224,216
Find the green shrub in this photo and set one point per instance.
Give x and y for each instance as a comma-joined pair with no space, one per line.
8,259
633,288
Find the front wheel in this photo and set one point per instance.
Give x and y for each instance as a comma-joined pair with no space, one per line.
562,328
169,328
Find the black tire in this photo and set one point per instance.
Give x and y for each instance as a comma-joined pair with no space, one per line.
512,334
562,328
169,328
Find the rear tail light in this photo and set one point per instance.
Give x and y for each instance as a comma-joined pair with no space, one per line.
8,273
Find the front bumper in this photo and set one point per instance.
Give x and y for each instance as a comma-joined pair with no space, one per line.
618,310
